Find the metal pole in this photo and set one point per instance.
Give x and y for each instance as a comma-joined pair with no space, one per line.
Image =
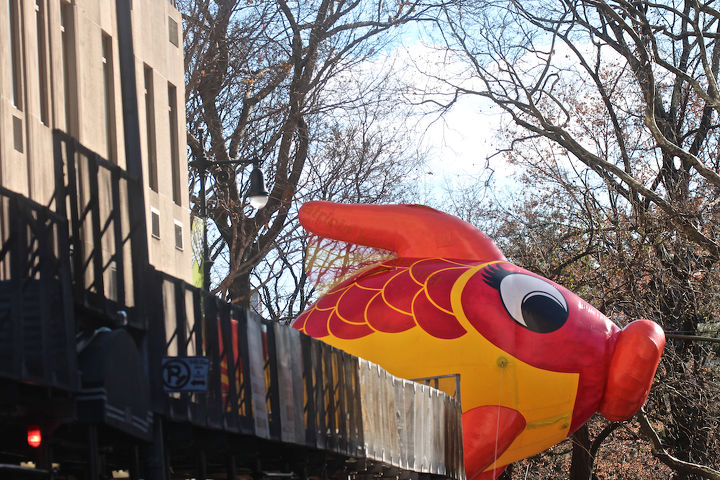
93,451
201,164
203,208
231,467
694,338
202,466
156,460
135,471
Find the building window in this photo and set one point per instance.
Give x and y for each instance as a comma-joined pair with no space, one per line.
173,32
150,129
68,63
178,235
109,87
15,30
18,134
155,223
174,154
43,83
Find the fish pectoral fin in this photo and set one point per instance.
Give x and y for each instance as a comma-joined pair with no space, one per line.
487,432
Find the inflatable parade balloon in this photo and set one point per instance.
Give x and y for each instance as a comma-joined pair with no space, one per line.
535,361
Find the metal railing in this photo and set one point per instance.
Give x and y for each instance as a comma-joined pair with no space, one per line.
37,328
265,379
275,383
93,196
449,384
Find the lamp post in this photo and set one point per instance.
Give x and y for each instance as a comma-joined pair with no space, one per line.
257,194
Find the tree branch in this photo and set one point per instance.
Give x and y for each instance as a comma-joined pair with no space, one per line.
669,460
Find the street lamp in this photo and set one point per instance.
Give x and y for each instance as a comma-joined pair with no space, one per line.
257,193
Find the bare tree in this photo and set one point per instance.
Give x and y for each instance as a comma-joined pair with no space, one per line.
613,116
365,156
653,68
267,80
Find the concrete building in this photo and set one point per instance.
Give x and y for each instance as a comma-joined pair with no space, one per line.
61,71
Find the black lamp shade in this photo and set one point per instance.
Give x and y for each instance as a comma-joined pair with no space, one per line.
258,193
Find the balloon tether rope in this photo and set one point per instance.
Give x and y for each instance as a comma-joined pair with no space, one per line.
502,364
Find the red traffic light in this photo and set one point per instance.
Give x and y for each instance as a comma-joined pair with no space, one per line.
34,436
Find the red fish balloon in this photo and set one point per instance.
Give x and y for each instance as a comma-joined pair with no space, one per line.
535,361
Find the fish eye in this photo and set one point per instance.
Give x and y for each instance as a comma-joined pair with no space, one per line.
533,303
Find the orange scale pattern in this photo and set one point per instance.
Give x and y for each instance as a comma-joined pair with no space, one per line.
434,321
353,300
346,330
392,297
439,285
395,292
384,318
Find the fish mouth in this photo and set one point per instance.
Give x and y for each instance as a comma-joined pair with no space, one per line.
632,368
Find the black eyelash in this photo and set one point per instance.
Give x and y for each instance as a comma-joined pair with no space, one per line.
494,274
